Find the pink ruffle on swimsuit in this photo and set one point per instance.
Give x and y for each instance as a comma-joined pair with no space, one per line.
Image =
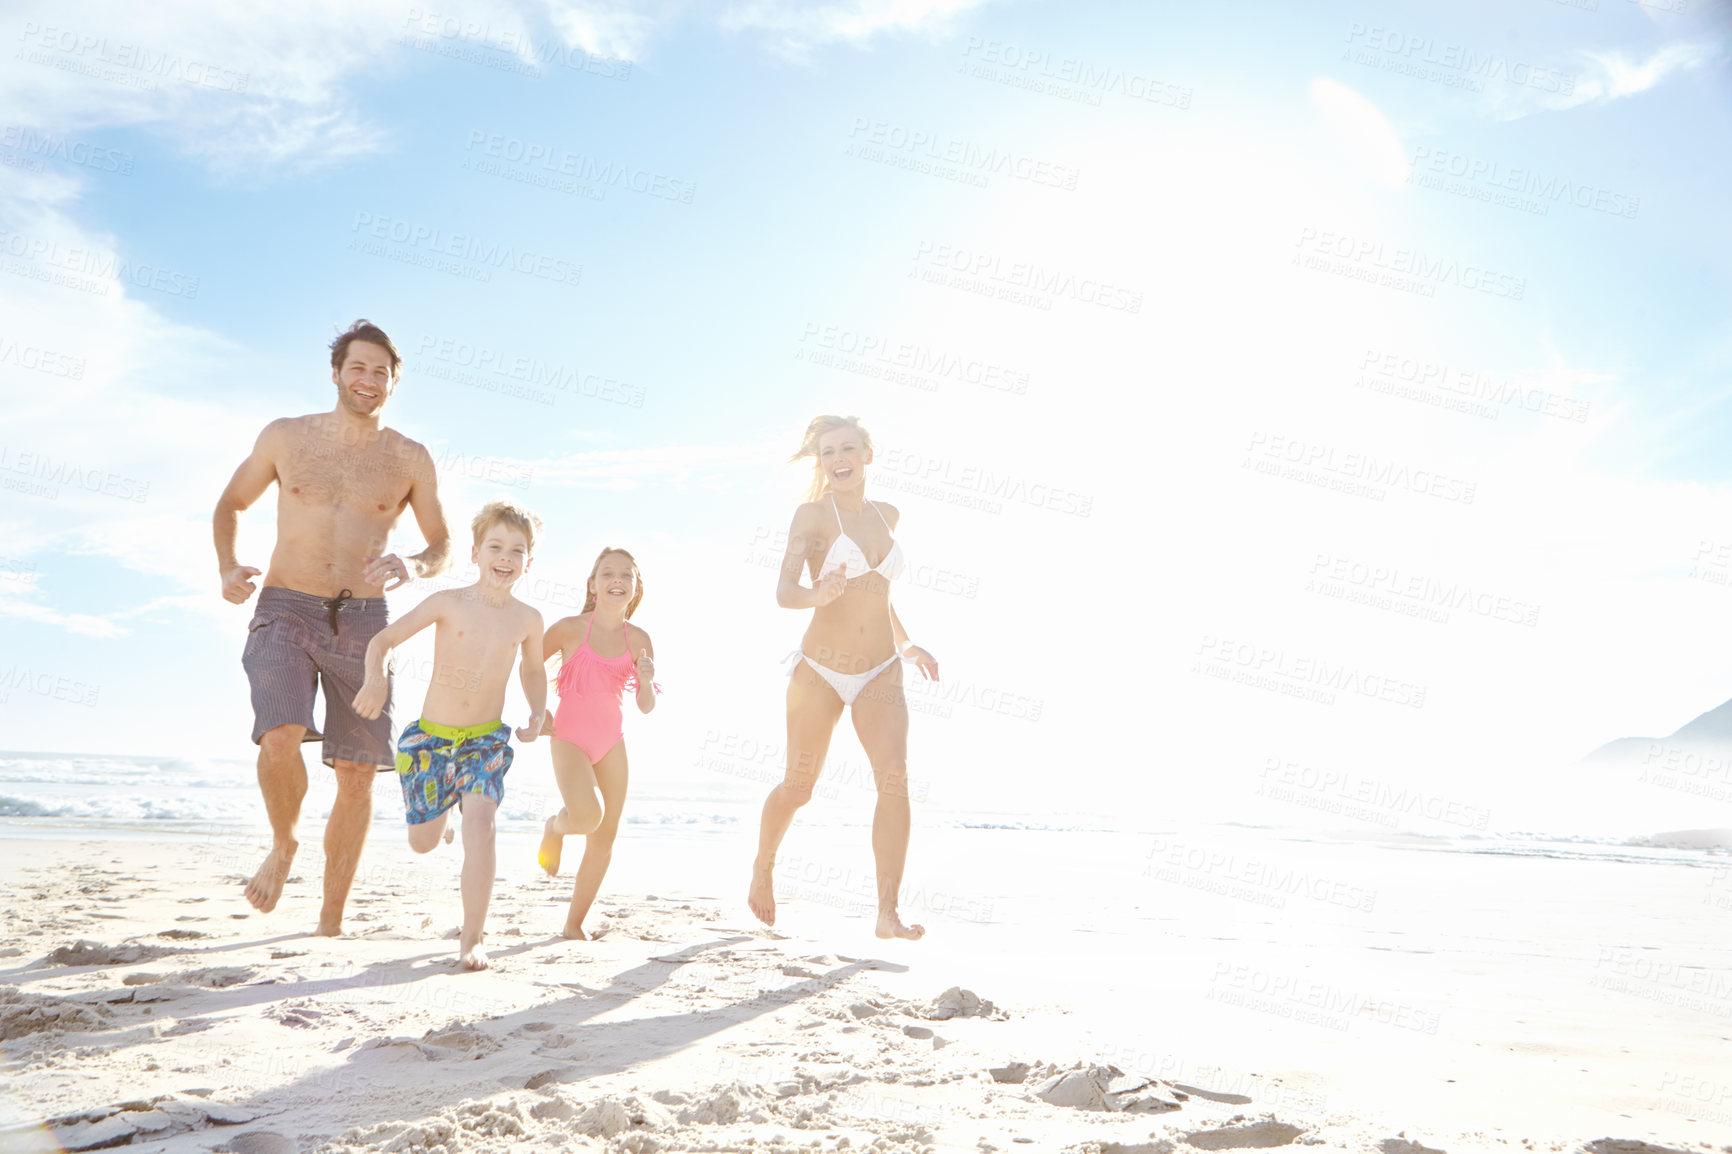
590,687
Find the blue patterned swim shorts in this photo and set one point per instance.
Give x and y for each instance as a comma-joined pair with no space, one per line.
439,763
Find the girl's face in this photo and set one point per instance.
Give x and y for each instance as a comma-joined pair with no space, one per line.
615,581
843,458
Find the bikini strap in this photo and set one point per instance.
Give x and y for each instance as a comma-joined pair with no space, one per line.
874,505
838,513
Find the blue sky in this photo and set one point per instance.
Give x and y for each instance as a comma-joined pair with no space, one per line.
1215,354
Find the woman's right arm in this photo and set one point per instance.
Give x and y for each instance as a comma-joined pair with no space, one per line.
790,593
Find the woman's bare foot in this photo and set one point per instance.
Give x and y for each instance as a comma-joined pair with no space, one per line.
762,896
267,885
575,933
890,926
551,846
470,952
329,929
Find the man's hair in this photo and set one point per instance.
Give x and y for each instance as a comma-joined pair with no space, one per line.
507,513
364,330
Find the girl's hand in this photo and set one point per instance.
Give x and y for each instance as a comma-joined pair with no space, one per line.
646,667
831,587
926,663
532,728
547,723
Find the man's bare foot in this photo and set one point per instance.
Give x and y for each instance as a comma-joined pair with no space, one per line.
890,926
575,933
267,885
551,846
762,896
470,952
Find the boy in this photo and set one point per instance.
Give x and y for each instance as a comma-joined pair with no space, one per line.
457,754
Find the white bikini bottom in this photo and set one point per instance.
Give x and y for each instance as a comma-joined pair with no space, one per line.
846,685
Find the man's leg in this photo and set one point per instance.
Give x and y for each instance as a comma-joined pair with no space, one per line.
345,835
283,782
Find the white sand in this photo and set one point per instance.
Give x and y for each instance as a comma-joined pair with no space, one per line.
1481,1002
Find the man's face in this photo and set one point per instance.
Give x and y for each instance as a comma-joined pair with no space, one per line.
364,380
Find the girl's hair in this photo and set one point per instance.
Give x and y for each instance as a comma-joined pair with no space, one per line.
589,586
809,448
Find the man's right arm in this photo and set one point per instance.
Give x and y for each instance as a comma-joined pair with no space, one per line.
246,486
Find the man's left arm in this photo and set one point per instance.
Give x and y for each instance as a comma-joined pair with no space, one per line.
430,517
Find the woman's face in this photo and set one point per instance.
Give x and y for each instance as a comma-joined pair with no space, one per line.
843,457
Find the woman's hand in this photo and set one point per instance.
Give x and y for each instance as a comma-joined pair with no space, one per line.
831,587
926,663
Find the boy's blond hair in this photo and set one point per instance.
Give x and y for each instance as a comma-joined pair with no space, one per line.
511,515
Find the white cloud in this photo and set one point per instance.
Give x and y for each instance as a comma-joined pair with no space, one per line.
1364,133
1603,77
796,27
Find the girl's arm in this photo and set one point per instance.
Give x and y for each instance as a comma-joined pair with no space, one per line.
802,540
554,641
646,671
533,672
370,701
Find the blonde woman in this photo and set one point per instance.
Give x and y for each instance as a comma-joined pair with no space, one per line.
847,545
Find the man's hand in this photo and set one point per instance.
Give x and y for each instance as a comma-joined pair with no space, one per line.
236,586
533,727
371,700
390,567
831,587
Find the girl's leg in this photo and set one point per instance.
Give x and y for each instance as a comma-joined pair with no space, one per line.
881,720
813,710
478,867
611,774
575,776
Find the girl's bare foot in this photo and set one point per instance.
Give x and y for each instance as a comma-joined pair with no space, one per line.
551,846
575,933
890,926
470,952
762,896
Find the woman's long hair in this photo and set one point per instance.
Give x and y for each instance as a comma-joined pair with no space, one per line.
809,448
589,586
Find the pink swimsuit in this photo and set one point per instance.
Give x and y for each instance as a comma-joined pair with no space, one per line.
590,687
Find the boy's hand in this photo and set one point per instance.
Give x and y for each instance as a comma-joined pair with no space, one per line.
646,667
532,728
236,587
371,700
831,587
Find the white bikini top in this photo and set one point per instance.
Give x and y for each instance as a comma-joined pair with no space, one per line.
855,557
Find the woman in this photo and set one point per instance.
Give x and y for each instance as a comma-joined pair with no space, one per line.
847,659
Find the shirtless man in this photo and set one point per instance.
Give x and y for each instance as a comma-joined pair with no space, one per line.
343,480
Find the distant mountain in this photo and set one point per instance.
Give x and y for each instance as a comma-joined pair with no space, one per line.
1709,735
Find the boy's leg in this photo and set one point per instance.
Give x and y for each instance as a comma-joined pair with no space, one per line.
611,775
583,810
478,867
283,782
425,835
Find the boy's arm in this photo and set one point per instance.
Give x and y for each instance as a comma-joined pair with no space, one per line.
646,671
534,675
247,485
370,701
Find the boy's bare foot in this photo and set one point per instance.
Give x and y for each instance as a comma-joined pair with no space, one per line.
551,846
575,933
449,833
890,926
267,885
470,952
762,896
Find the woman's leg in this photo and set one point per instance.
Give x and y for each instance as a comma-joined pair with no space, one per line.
575,776
611,774
813,710
881,721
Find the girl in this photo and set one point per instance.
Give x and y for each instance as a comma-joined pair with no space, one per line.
587,730
847,659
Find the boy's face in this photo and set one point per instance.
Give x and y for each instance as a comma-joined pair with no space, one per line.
503,555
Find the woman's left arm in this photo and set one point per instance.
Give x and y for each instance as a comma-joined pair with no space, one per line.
909,652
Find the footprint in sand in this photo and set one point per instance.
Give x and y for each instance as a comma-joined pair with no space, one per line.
1256,1135
88,953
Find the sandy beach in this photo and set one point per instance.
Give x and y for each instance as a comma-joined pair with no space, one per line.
1262,992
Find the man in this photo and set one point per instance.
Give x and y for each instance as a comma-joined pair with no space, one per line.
343,480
